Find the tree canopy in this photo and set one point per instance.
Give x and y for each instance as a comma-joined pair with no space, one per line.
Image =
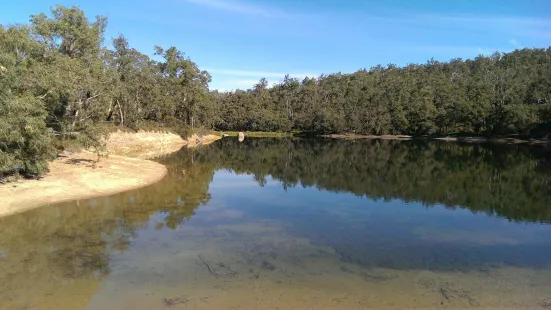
60,81
490,95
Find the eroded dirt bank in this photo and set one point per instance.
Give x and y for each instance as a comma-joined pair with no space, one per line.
152,144
78,176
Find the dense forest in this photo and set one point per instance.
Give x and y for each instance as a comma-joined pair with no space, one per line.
61,80
502,180
490,95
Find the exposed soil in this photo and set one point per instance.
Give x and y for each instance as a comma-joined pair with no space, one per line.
152,144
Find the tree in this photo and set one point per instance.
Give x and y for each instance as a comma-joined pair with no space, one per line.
72,79
25,144
185,85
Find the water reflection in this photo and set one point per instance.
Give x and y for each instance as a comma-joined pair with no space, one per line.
511,181
65,249
271,223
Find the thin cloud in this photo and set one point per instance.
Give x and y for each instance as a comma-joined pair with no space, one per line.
229,80
240,8
514,43
467,19
259,74
517,26
485,51
246,82
497,20
231,84
543,34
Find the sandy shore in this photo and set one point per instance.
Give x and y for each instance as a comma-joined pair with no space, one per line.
77,176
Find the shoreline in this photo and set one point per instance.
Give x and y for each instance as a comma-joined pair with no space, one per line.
352,136
467,139
78,176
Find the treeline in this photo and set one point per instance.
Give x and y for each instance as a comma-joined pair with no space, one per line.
513,182
58,80
490,95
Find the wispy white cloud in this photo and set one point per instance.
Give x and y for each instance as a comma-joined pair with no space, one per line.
241,8
229,79
259,74
540,34
456,49
517,26
249,83
495,20
226,85
514,43
466,19
486,51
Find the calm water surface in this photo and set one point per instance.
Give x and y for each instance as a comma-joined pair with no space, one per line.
298,224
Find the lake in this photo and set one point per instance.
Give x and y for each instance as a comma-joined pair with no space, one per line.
298,224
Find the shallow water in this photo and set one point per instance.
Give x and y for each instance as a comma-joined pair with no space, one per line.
298,224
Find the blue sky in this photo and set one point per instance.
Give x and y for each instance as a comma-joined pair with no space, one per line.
240,41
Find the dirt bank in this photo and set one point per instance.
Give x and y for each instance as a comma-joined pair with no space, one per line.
77,176
152,144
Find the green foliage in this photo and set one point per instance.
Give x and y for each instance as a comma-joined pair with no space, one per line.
25,144
69,32
57,74
499,94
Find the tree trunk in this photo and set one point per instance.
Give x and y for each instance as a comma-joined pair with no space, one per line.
120,112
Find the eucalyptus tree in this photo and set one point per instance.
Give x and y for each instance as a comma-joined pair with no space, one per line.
136,89
185,86
73,80
25,143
